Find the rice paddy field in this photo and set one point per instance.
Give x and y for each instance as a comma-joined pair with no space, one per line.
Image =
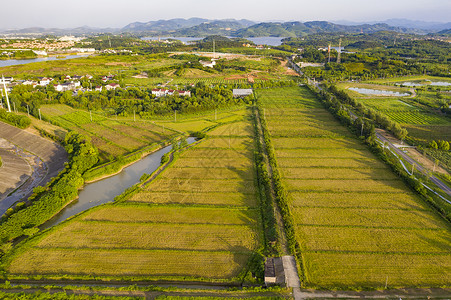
358,224
111,136
198,220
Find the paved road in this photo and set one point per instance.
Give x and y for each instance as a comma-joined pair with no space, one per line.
418,167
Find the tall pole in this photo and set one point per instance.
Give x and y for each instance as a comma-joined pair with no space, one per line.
39,110
175,116
339,52
28,110
214,54
6,93
90,114
134,119
328,50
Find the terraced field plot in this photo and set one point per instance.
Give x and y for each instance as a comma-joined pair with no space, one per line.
195,221
356,222
111,137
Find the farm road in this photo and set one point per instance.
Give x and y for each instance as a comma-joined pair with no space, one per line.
46,157
411,161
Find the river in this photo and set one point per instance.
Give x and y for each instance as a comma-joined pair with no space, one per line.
13,62
104,191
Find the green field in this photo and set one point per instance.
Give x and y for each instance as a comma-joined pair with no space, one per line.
198,220
112,137
356,222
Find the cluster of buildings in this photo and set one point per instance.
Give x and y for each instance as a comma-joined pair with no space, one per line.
165,92
35,44
71,83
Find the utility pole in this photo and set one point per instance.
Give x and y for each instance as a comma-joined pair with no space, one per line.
134,119
413,167
214,53
339,52
215,114
90,114
328,50
361,131
175,116
28,110
39,110
6,93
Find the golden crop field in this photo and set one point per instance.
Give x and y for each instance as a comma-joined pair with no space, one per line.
356,222
198,220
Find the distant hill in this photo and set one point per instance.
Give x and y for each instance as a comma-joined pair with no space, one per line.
190,27
163,25
221,27
293,29
420,26
445,32
199,27
59,31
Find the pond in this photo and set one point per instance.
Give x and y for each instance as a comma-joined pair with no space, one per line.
13,62
433,83
104,190
378,92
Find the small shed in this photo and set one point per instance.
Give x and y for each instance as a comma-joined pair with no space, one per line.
274,271
242,92
270,271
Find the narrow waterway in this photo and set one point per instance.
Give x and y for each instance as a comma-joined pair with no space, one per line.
104,191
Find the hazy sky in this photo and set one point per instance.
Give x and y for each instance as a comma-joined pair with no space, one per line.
118,13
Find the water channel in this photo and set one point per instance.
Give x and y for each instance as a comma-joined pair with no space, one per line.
104,190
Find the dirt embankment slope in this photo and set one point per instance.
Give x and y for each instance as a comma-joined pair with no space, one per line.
45,158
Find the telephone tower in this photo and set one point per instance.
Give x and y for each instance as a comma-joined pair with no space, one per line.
339,52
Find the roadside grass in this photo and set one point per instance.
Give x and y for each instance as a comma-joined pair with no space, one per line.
356,221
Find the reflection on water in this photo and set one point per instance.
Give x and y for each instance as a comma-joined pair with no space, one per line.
13,62
378,92
104,191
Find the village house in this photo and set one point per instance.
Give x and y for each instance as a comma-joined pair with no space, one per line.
207,64
43,81
98,88
112,86
159,92
184,93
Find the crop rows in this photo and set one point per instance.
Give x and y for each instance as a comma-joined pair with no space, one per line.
111,137
355,221
198,220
